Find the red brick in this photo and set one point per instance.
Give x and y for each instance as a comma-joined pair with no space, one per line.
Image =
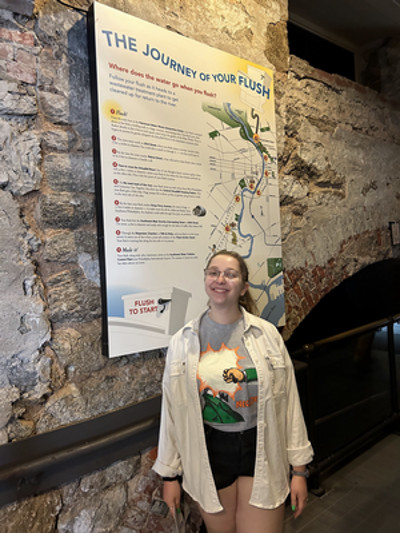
25,38
305,307
22,72
22,56
310,300
290,298
316,276
6,51
293,276
297,289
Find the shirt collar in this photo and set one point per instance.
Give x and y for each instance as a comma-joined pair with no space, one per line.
249,321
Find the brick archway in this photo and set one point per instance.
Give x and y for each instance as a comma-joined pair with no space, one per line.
370,294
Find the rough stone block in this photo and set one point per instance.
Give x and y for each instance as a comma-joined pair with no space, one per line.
17,99
94,513
60,247
57,139
33,514
277,47
53,72
31,374
292,190
65,406
7,396
79,350
24,325
20,429
54,25
116,473
72,297
117,385
83,132
65,210
71,172
86,242
90,267
20,159
54,106
79,246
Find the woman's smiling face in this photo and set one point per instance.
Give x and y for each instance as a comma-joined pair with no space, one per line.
223,281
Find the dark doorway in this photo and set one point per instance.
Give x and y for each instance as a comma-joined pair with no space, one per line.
320,53
371,294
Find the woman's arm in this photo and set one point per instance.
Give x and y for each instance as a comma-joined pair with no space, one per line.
168,462
299,449
298,490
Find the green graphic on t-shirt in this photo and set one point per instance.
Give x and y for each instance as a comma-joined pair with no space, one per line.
217,410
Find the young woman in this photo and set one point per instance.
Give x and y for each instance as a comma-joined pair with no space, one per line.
231,421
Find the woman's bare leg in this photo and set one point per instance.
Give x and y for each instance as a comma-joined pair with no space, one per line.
250,519
225,521
239,516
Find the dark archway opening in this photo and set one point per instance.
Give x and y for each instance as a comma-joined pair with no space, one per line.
371,294
351,383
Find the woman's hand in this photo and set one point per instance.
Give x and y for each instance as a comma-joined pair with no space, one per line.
233,375
172,495
298,495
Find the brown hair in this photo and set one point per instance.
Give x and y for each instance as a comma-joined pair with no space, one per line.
246,300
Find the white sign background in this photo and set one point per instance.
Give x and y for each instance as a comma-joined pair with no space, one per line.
187,148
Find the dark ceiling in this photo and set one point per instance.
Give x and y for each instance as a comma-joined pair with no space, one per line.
353,24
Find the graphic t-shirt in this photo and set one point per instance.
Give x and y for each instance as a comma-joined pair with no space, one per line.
226,377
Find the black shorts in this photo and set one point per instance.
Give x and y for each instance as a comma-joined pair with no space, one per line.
231,454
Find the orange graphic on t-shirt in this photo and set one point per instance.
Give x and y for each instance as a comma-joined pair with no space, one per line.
210,372
246,403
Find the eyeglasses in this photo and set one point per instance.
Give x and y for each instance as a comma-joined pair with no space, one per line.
213,273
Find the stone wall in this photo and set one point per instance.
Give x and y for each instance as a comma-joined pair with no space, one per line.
340,182
339,173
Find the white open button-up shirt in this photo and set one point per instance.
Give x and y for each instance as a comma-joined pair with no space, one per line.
281,433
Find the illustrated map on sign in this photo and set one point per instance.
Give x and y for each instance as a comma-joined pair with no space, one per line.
244,199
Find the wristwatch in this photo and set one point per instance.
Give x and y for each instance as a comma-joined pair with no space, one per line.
301,473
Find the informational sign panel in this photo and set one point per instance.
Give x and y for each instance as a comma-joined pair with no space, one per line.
187,166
